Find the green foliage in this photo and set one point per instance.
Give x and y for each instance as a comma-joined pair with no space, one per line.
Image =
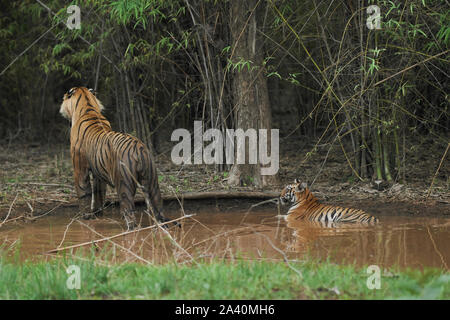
159,65
241,64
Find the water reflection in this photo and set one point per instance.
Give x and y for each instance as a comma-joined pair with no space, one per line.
400,241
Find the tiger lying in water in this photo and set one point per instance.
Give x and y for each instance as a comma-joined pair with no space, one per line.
306,206
117,159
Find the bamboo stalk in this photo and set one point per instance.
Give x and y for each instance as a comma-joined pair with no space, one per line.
387,171
378,159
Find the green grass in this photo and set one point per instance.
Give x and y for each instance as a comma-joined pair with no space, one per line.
216,280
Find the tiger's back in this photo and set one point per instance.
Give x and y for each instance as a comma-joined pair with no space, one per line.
329,213
113,158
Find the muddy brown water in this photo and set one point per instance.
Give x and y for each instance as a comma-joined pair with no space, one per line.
226,229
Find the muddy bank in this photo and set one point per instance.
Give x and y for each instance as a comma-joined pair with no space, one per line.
36,178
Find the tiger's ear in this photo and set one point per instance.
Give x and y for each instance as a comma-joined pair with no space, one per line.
301,187
297,180
71,92
92,91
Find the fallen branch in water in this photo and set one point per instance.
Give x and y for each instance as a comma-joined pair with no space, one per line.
224,195
270,195
116,236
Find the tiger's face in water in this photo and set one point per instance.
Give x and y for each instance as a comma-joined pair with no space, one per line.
72,97
293,193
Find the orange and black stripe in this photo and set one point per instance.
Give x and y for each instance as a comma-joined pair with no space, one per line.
306,206
117,159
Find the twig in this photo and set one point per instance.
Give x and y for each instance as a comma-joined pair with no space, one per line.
71,221
410,67
159,225
14,219
28,218
180,203
65,232
9,211
44,214
273,200
116,244
41,184
116,236
436,249
46,200
218,236
326,157
437,171
286,260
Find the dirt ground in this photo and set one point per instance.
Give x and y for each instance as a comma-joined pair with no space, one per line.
35,177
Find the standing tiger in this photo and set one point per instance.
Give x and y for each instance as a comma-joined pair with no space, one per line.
113,158
306,206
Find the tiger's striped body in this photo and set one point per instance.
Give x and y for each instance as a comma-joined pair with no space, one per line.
113,158
306,206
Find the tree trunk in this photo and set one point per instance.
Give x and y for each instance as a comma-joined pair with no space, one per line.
251,98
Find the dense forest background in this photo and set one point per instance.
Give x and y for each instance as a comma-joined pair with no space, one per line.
313,69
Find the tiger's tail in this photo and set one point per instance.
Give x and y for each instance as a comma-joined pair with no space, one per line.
151,203
151,191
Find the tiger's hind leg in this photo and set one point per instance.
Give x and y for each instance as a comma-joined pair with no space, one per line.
99,196
83,189
126,192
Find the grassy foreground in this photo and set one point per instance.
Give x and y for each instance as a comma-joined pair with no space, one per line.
213,280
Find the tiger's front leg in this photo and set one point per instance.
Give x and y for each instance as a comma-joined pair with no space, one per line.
99,196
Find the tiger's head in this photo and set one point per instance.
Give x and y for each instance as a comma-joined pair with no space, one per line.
72,98
294,192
